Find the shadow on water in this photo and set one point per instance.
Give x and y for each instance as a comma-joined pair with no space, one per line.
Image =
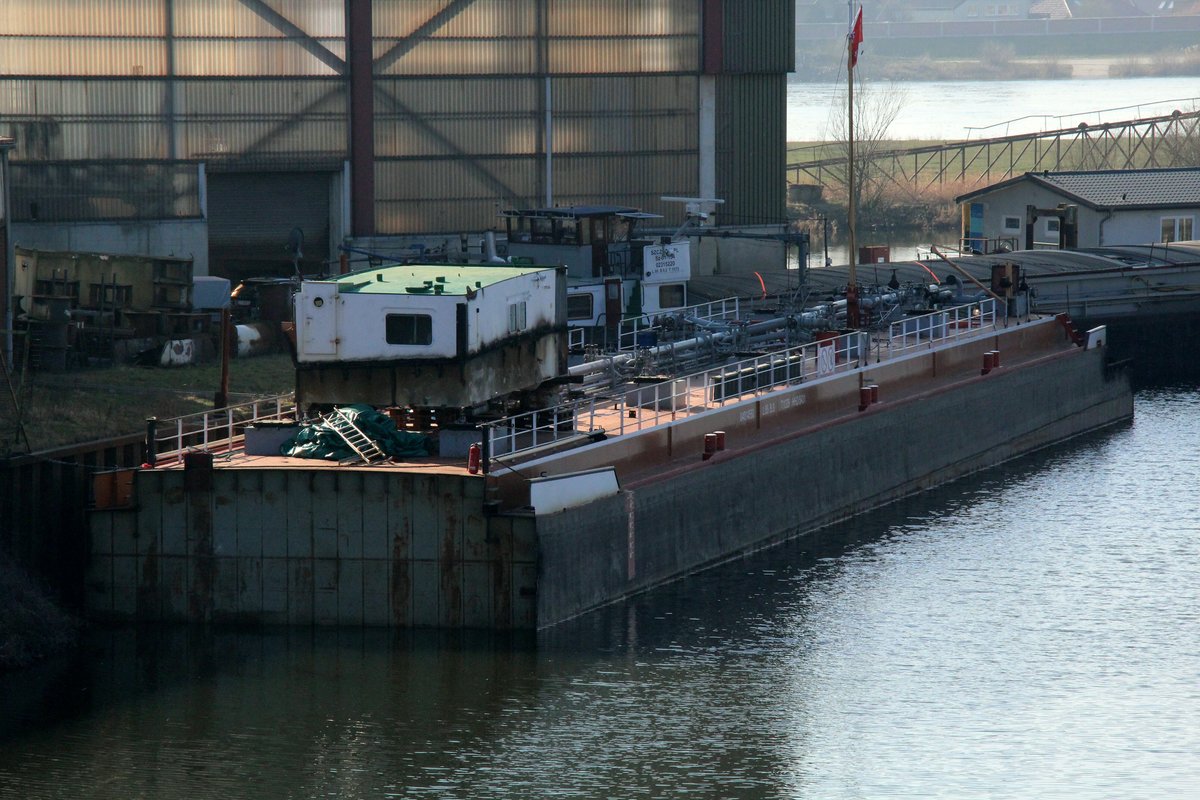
117,666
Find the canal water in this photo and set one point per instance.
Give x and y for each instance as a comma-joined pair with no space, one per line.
1031,631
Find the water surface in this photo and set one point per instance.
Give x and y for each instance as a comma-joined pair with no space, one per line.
1027,632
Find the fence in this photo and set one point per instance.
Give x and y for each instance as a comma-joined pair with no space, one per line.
647,406
941,326
167,440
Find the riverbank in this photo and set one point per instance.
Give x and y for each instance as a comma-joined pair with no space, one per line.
69,407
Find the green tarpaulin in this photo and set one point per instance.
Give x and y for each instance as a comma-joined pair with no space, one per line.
322,441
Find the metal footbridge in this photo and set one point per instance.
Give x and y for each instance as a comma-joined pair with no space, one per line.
1160,141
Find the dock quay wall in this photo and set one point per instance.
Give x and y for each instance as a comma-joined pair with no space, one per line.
322,547
662,528
43,502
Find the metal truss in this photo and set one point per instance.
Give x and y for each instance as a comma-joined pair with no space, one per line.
1166,141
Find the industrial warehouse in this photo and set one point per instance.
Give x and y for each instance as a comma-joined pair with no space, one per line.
255,137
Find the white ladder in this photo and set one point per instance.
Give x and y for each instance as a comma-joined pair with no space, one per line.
358,441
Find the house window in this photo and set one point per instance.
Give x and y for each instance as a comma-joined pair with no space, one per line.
671,295
579,306
1176,229
516,317
1052,226
410,329
1012,223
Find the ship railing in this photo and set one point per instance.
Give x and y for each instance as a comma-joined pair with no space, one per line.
642,407
218,430
927,330
646,330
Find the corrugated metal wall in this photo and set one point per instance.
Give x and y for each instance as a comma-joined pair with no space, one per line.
459,101
760,36
752,118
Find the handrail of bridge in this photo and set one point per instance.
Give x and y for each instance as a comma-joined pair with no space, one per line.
644,407
995,140
218,429
1195,101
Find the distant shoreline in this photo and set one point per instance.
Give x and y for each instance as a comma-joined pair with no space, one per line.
1027,68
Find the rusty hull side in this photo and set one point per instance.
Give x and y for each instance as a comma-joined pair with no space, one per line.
516,365
377,547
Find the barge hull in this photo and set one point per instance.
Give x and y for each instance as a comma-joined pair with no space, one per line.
738,502
422,546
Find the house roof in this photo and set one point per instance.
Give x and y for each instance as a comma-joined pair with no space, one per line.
1114,188
1106,8
1049,9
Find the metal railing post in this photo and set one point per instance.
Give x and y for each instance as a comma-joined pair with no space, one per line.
152,440
486,454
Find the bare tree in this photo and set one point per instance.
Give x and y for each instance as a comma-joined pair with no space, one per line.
875,110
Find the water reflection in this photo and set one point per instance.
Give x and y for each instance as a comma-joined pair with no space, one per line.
1027,632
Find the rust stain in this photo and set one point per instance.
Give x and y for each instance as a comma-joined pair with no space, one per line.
200,598
501,546
401,585
147,594
450,563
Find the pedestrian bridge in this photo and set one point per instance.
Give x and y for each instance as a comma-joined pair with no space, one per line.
1160,141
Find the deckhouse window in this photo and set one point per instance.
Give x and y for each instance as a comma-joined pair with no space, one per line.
412,329
671,295
579,306
516,317
1012,223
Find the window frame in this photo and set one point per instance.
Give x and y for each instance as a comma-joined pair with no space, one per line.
1177,223
672,287
416,329
518,316
575,316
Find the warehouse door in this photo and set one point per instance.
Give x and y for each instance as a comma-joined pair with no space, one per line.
253,219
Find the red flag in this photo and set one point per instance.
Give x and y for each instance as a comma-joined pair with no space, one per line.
856,38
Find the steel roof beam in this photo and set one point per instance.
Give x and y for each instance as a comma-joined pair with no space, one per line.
406,45
296,34
433,133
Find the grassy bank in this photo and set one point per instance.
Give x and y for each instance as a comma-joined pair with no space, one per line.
64,408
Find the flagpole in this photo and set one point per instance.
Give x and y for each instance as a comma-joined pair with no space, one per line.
851,211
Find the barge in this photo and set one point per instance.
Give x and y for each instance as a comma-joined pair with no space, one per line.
711,434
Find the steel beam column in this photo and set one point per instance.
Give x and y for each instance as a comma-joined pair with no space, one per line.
359,38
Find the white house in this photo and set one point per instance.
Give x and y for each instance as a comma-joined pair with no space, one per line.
1111,207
